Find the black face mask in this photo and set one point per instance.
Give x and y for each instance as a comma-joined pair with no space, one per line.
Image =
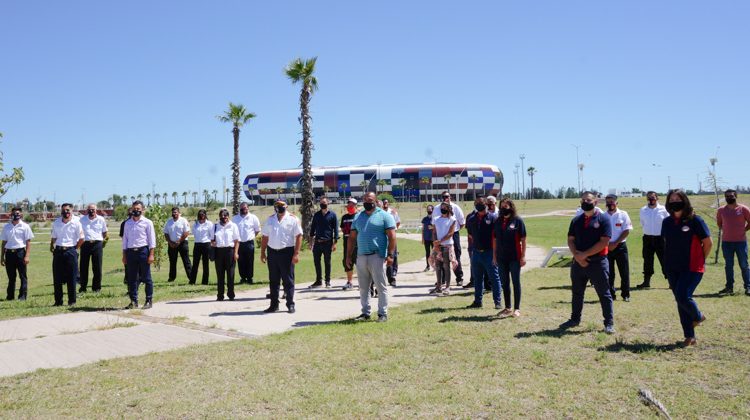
243,212
65,214
480,207
323,206
587,206
505,212
444,211
17,216
675,206
368,206
730,200
652,201
91,212
224,220
280,209
135,213
610,207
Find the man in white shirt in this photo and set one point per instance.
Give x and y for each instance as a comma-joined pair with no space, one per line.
227,245
282,237
459,215
618,249
652,215
203,232
95,237
138,243
249,227
392,270
16,239
66,239
176,232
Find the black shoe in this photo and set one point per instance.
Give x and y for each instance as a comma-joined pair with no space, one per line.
644,285
170,280
328,285
191,282
81,290
57,304
362,317
231,297
747,292
726,291
291,309
22,297
10,298
148,304
268,296
474,305
626,298
469,285
132,305
316,285
270,309
250,281
569,324
459,283
392,283
204,283
219,298
382,318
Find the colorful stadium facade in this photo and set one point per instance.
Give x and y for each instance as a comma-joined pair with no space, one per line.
411,182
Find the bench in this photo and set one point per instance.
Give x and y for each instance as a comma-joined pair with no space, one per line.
560,251
411,226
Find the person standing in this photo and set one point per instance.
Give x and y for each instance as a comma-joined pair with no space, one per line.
65,241
249,227
203,234
346,229
492,205
374,235
138,245
95,239
443,255
652,215
588,241
16,237
687,243
618,249
734,221
122,235
176,232
392,270
282,238
510,254
427,236
459,215
481,229
324,233
226,242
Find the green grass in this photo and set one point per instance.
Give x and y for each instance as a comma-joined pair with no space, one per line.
113,294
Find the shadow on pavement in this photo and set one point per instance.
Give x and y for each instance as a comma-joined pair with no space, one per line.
242,313
190,302
350,297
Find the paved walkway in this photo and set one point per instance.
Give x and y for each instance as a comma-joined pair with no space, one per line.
68,340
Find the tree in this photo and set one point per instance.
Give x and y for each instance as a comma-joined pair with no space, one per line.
238,116
279,190
8,180
205,198
365,185
342,187
402,183
174,198
447,177
215,193
195,198
473,178
531,171
294,191
157,197
148,199
184,198
301,71
425,180
381,184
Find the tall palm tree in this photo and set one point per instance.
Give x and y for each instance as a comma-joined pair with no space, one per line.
424,181
174,198
447,177
342,187
238,116
364,184
148,199
473,178
301,71
195,198
157,196
215,193
184,198
402,183
531,171
381,184
294,191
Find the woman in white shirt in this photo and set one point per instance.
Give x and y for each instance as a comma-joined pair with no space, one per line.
443,256
203,232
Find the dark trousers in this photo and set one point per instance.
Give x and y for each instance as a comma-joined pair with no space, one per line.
427,251
225,268
511,270
619,257
485,278
322,249
683,284
652,245
392,271
184,250
201,252
246,262
64,272
281,271
481,265
597,271
91,251
14,263
354,255
138,271
459,272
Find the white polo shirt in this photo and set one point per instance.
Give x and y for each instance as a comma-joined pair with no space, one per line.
394,214
203,232
93,230
651,219
282,234
15,236
457,213
225,235
248,225
67,234
620,222
176,228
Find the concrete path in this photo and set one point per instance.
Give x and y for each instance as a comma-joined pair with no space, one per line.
69,340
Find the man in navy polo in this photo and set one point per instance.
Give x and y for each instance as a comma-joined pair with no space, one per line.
588,241
481,227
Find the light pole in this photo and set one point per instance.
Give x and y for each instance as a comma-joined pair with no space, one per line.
515,174
578,166
523,183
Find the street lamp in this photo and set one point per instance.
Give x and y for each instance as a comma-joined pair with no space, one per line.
523,183
578,165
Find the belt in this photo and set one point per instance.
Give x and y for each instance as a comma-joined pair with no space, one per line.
92,242
281,249
321,241
14,250
136,249
63,248
480,250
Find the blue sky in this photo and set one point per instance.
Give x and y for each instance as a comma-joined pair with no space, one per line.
102,97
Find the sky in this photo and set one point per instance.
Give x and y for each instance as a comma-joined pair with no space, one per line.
100,97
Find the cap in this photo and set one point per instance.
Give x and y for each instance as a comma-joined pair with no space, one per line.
352,200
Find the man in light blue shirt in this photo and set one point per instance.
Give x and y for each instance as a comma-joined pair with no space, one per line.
374,234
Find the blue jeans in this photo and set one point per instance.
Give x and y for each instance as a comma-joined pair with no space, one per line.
481,263
138,271
739,248
683,284
511,270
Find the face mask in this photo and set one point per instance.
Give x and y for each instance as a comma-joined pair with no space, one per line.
652,201
280,209
224,220
444,211
505,212
368,206
323,206
480,207
91,212
730,200
446,198
676,206
610,207
175,216
587,206
135,213
17,216
243,212
65,214
351,210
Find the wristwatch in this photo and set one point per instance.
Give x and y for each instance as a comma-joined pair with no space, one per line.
389,255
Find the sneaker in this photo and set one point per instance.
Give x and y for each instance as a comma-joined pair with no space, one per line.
690,341
316,285
609,329
328,285
726,291
362,317
292,309
468,285
644,285
382,318
516,313
22,297
505,313
219,298
426,269
436,292
474,305
446,292
347,286
700,321
747,291
569,324
133,305
498,306
270,309
148,304
392,283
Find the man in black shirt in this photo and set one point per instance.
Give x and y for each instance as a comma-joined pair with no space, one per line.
324,233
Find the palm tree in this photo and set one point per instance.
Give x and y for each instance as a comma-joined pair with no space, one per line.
215,193
279,190
381,184
195,198
251,190
364,184
140,196
326,190
238,116
301,71
157,196
184,198
342,187
531,171
174,198
148,199
447,177
473,178
294,191
424,181
402,183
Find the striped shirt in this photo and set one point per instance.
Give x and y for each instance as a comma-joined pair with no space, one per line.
371,232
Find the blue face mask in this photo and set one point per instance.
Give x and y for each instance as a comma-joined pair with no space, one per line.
17,216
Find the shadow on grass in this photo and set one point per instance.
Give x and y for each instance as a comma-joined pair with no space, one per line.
639,347
561,263
471,318
585,302
439,310
554,288
712,295
310,323
554,332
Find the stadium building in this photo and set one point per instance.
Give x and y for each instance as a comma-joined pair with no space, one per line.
406,182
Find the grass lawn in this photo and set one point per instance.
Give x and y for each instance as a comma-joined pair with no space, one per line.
435,359
114,292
